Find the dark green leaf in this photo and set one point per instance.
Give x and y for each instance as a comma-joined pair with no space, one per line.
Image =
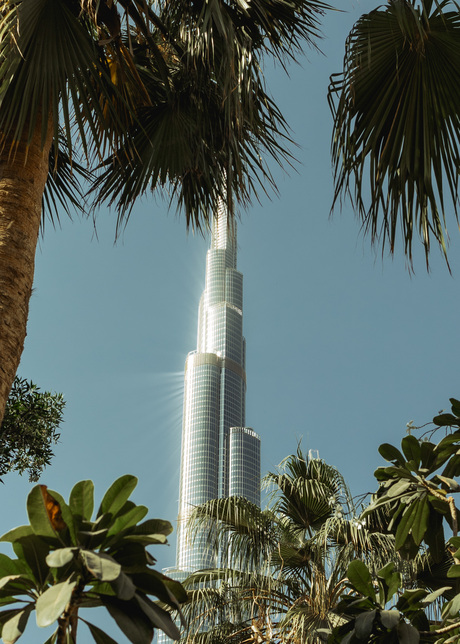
123,587
405,525
154,526
10,566
407,633
411,448
99,636
445,420
127,520
130,619
455,406
390,618
117,495
159,617
420,521
391,453
33,551
392,580
364,624
81,500
360,578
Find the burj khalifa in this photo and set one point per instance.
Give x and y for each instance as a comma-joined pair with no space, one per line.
220,456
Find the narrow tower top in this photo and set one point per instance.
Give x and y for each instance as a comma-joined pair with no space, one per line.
223,229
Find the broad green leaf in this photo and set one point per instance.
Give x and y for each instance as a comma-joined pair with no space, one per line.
392,580
167,590
132,554
452,608
407,634
92,539
455,406
391,453
452,484
14,627
16,585
51,604
176,589
33,550
398,488
81,500
67,515
411,448
5,580
411,598
360,578
17,533
52,639
158,616
427,455
123,587
390,618
38,515
154,526
420,522
146,539
445,420
60,557
117,494
6,615
10,566
130,619
99,636
434,595
102,566
128,520
405,525
364,624
454,571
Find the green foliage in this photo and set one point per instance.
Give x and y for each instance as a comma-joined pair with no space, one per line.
286,564
66,561
372,617
416,497
397,121
417,488
171,95
29,429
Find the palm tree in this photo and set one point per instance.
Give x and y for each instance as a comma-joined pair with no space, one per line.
286,567
165,95
396,135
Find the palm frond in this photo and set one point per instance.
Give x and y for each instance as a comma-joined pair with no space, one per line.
198,143
246,531
396,107
64,187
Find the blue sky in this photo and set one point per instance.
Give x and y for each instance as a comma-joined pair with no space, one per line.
343,347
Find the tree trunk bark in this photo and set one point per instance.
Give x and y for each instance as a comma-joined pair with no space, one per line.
23,173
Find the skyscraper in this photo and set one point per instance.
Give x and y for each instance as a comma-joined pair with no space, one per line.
220,456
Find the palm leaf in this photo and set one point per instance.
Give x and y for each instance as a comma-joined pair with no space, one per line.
396,130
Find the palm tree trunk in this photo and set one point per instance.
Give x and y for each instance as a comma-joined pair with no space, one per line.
23,173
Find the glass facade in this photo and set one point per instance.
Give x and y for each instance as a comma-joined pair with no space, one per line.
220,456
